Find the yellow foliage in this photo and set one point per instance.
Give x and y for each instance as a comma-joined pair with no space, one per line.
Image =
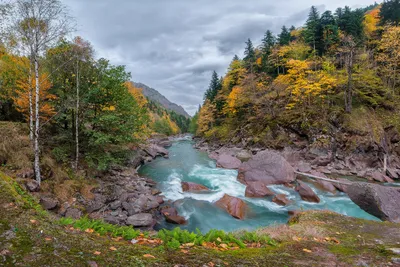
304,84
137,94
371,21
206,117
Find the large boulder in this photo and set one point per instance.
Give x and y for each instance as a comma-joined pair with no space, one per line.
228,161
73,213
233,205
33,186
244,155
154,151
257,189
140,220
171,215
306,193
281,199
267,167
321,184
193,187
380,201
49,203
341,187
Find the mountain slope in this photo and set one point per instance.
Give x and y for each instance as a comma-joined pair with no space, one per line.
155,96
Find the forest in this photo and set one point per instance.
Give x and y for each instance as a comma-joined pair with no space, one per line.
82,110
337,75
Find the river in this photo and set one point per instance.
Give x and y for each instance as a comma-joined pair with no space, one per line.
188,164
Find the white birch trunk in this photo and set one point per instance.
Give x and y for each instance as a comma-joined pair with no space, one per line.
30,103
37,124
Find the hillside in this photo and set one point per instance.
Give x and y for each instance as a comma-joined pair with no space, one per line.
155,96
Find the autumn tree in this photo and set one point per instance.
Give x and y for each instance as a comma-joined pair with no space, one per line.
38,24
389,56
206,118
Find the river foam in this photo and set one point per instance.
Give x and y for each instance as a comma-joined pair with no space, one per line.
187,164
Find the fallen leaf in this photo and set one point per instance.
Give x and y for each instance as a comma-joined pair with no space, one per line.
48,239
307,250
188,245
219,239
185,251
33,221
149,256
226,263
113,248
223,245
89,230
211,264
97,253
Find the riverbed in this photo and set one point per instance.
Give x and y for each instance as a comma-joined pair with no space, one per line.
185,163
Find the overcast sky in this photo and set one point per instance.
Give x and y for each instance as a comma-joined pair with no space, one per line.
174,45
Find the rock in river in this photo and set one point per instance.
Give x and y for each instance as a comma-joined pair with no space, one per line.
171,215
193,187
380,201
257,189
233,205
281,199
267,167
306,193
228,161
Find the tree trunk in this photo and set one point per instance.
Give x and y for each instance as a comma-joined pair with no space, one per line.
30,103
77,118
349,93
37,124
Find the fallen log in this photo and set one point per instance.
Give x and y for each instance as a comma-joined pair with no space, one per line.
322,178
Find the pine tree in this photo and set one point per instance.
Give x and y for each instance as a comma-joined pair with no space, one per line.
390,12
313,32
213,88
330,31
235,58
268,42
284,36
249,56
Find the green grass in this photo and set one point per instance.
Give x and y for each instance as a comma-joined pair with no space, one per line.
102,228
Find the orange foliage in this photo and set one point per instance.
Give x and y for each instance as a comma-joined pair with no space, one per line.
137,94
21,99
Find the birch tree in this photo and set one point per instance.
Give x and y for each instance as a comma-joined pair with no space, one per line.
37,25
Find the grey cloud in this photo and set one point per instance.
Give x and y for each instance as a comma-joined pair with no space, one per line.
174,45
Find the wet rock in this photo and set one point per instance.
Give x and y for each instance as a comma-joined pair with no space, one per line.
392,173
73,213
155,192
154,151
49,203
32,186
281,199
160,199
233,205
228,161
257,189
171,215
321,184
293,213
193,187
380,201
306,193
146,202
267,167
140,220
341,187
379,177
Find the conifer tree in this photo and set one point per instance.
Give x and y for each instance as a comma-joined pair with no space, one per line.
213,88
390,12
249,56
284,36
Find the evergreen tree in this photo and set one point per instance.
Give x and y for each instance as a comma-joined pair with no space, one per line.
330,31
213,88
235,58
249,55
351,22
390,12
284,36
313,30
268,43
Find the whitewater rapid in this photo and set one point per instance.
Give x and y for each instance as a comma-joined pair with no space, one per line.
188,164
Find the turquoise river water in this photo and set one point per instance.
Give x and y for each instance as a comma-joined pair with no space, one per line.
188,164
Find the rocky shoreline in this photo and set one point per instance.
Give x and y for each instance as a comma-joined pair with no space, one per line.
259,168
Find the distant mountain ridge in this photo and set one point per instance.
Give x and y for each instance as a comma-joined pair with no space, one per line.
155,96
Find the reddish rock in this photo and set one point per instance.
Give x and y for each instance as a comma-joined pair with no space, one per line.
306,193
228,161
281,199
341,187
233,205
193,187
257,189
267,167
380,177
171,216
293,213
324,185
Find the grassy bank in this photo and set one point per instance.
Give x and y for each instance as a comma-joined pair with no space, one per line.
30,236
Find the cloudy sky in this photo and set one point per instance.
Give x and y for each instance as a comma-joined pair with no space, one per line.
174,45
